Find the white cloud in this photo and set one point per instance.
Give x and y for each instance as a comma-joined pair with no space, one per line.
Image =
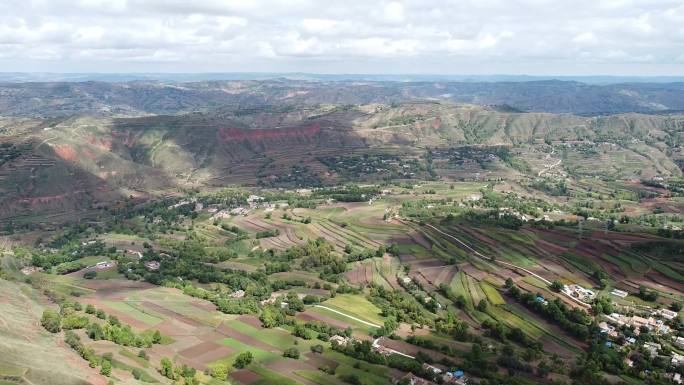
354,35
394,12
585,38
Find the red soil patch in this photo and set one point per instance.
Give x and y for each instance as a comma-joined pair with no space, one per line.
425,263
113,288
361,274
89,154
437,123
245,376
229,134
431,274
448,275
288,367
199,349
172,314
474,272
207,352
550,247
126,138
65,152
318,360
104,144
250,320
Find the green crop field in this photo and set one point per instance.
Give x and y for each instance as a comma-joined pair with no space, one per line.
136,311
276,337
319,377
356,306
493,295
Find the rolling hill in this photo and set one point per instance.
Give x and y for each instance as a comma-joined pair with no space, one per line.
70,164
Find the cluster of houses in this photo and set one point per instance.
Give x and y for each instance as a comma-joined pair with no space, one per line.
655,323
651,323
579,292
253,202
456,377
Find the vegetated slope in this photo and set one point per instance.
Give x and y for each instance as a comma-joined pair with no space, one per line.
148,97
30,354
69,164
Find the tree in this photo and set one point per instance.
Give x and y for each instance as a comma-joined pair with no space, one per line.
220,372
90,274
291,353
156,337
51,321
482,305
302,332
270,317
557,286
243,359
137,373
166,369
106,369
90,309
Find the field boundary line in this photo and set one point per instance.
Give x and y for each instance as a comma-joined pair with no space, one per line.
348,316
479,255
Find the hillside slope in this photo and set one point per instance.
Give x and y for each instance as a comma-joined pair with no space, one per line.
31,355
72,164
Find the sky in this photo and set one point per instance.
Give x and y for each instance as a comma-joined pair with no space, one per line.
479,37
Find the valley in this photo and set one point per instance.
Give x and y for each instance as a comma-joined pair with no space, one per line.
340,239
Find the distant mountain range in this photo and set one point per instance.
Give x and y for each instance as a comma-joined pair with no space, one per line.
20,77
145,97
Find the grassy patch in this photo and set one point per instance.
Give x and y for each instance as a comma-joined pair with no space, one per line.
275,337
261,356
141,361
145,377
270,377
319,377
366,377
357,306
493,295
141,315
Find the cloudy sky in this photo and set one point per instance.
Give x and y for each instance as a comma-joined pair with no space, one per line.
540,37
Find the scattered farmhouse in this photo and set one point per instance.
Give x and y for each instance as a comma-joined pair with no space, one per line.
104,264
340,340
579,292
152,265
